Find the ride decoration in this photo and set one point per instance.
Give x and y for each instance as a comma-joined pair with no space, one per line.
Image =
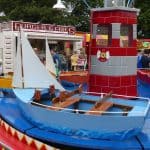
37,95
12,138
103,55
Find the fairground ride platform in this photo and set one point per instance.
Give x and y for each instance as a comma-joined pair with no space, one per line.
10,113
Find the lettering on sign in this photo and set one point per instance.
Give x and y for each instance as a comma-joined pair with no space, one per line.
43,27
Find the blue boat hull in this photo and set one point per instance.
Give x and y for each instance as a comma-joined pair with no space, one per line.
117,127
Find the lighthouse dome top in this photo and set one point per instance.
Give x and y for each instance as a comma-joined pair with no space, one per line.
114,3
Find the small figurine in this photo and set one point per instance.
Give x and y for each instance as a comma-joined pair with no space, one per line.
37,95
52,92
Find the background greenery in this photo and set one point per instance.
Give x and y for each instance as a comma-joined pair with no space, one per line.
41,11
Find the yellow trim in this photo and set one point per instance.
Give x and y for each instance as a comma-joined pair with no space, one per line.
5,82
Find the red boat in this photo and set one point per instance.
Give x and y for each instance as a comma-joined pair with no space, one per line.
144,75
75,76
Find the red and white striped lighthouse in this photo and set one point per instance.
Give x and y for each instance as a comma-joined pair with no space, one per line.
113,49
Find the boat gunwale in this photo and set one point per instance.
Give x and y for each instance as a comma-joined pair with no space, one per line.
83,111
56,108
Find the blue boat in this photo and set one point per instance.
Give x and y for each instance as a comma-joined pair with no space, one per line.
76,113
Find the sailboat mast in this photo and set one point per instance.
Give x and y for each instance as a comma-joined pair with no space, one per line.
22,72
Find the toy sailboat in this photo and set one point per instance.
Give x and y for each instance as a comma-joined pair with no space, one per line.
50,66
76,113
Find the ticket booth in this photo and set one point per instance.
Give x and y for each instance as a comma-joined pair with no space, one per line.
113,49
60,38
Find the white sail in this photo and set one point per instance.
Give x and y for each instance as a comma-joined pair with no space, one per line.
35,74
17,76
50,66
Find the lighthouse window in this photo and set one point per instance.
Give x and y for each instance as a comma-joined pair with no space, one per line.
102,35
125,37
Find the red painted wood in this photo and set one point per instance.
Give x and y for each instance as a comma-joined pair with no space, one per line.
75,76
115,81
132,91
117,51
123,85
102,80
12,142
114,16
115,42
92,80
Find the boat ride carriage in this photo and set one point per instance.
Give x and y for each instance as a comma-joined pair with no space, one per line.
75,113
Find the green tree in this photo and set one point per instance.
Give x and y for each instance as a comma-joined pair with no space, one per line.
28,10
42,11
143,18
81,13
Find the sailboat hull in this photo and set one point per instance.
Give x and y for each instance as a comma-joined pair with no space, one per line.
90,126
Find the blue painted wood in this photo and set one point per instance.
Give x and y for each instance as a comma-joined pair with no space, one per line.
11,113
13,116
143,89
83,142
144,137
107,127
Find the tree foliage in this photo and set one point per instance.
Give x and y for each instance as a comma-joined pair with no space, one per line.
144,18
42,11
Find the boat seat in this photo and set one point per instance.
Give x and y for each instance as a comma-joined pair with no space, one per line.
69,101
64,95
100,109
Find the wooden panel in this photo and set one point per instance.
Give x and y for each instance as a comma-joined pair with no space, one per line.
69,101
105,105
